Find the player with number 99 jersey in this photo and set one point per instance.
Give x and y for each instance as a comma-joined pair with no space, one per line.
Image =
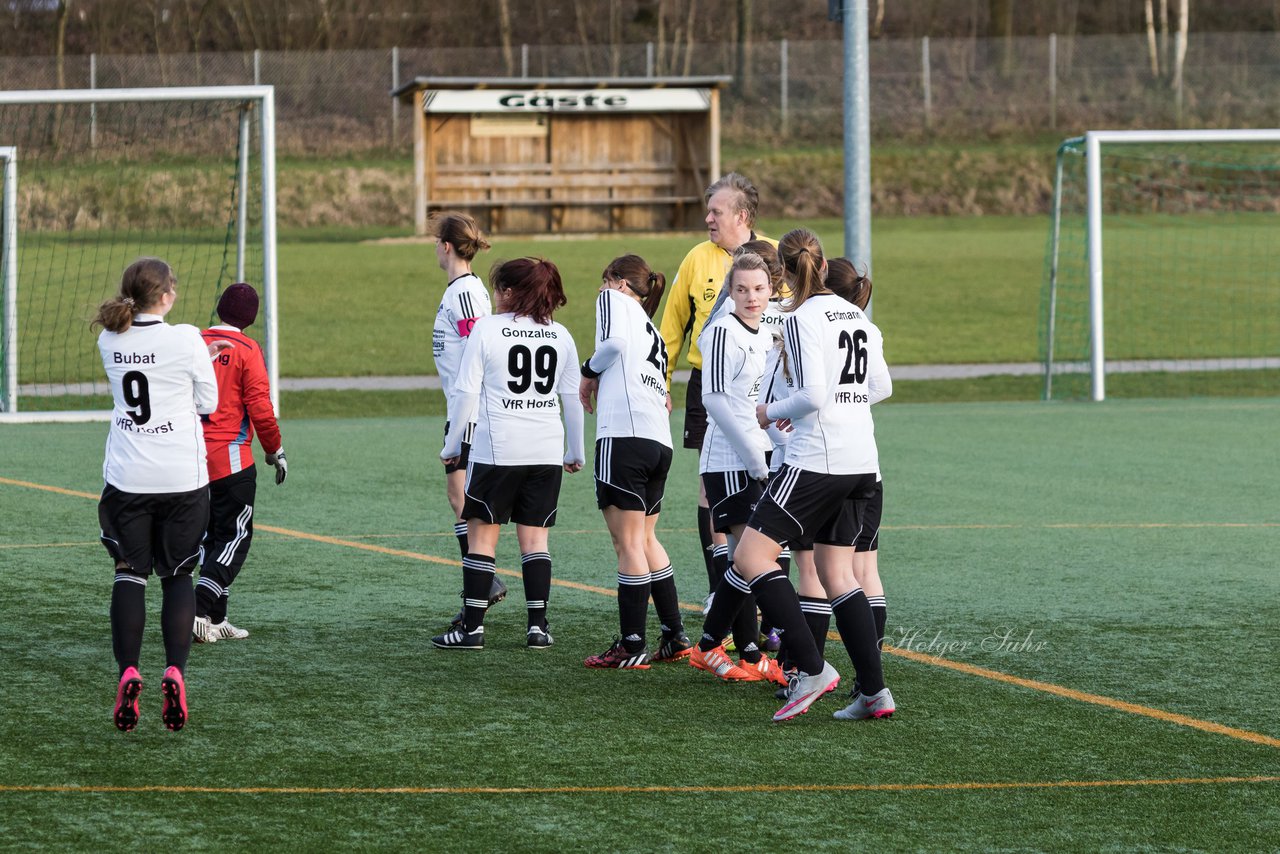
519,368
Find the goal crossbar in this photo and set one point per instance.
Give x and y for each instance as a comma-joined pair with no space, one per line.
264,98
1093,142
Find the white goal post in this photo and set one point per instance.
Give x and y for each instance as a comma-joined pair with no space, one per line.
1093,143
9,276
255,106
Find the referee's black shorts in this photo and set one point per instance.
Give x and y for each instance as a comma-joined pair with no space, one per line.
695,415
156,532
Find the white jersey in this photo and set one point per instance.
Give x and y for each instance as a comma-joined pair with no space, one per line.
776,384
519,368
631,359
836,356
464,300
732,363
162,381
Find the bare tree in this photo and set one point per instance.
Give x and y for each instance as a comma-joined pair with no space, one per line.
580,15
1152,49
60,47
688,47
504,33
743,62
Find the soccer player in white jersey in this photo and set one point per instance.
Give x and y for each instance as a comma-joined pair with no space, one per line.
734,463
627,377
837,357
772,321
155,498
465,300
845,281
519,370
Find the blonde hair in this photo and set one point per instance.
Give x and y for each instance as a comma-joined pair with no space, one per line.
744,261
746,198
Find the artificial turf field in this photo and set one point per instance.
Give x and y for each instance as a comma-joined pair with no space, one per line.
1083,599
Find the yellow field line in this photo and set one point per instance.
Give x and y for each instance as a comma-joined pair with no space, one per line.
1081,696
46,488
936,661
763,788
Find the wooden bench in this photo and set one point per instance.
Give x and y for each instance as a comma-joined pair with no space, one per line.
617,187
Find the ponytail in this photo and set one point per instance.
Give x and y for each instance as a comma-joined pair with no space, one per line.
142,285
802,261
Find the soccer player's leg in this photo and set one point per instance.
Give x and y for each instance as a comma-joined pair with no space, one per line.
179,528
621,477
226,546
126,533
534,511
866,567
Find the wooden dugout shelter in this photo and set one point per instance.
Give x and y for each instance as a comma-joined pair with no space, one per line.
570,154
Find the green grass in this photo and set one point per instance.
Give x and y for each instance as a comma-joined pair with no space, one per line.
1145,576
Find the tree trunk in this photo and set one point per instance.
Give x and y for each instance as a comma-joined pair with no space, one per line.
60,48
1180,54
1000,25
580,18
743,83
688,46
504,33
1152,53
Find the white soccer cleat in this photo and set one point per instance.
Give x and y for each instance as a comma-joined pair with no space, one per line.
226,631
202,631
803,690
878,705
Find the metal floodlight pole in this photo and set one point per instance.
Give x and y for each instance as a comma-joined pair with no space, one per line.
857,136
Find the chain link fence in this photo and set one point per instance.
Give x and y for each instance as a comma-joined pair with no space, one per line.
961,89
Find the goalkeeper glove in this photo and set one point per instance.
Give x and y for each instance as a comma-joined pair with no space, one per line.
282,467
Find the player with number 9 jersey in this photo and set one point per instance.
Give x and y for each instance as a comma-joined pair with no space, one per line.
155,500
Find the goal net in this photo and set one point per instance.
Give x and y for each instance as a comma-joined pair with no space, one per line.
1162,274
94,179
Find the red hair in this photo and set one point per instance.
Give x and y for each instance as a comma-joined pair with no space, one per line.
532,287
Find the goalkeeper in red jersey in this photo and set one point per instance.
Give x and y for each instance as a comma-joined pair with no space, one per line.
244,405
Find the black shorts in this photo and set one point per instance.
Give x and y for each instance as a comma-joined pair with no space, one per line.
800,505
154,532
631,474
731,495
695,415
461,464
868,539
526,495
